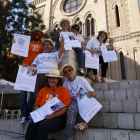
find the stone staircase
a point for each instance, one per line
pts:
(119, 119)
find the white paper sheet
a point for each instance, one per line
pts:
(26, 79)
(67, 47)
(70, 42)
(21, 47)
(109, 56)
(87, 107)
(91, 60)
(50, 107)
(103, 48)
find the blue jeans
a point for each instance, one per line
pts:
(80, 57)
(25, 107)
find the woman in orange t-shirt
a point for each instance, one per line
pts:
(55, 121)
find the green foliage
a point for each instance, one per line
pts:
(15, 18)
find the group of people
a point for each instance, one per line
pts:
(49, 83)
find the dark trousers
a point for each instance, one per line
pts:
(80, 57)
(26, 107)
(40, 83)
(104, 67)
(42, 129)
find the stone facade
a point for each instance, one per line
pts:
(125, 37)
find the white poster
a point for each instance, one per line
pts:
(26, 79)
(50, 107)
(21, 47)
(87, 107)
(109, 56)
(91, 60)
(71, 41)
(104, 48)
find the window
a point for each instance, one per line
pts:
(80, 23)
(88, 28)
(71, 6)
(117, 16)
(122, 66)
(92, 27)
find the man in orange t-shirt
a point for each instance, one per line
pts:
(35, 48)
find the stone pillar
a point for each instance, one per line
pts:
(90, 28)
(51, 22)
(83, 29)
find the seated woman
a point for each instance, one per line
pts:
(72, 84)
(46, 61)
(55, 121)
(75, 28)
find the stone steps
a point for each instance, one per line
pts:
(10, 136)
(116, 85)
(88, 134)
(121, 94)
(100, 134)
(121, 110)
(120, 106)
(116, 120)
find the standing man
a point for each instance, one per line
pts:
(35, 48)
(72, 84)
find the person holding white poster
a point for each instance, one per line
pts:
(75, 28)
(46, 61)
(55, 121)
(65, 24)
(96, 45)
(72, 84)
(35, 48)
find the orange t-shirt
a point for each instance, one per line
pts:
(46, 94)
(35, 48)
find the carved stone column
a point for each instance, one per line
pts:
(83, 29)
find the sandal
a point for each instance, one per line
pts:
(80, 72)
(103, 81)
(89, 76)
(81, 126)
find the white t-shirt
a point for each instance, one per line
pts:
(79, 37)
(72, 86)
(47, 61)
(94, 44)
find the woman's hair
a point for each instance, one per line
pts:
(60, 82)
(49, 43)
(75, 27)
(105, 37)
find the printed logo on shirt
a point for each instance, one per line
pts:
(49, 97)
(73, 91)
(35, 48)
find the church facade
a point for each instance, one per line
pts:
(121, 19)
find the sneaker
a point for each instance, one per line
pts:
(29, 118)
(81, 72)
(23, 120)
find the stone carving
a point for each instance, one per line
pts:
(35, 2)
(126, 37)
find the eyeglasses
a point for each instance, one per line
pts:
(66, 71)
(53, 93)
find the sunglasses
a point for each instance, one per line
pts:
(66, 71)
(53, 93)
